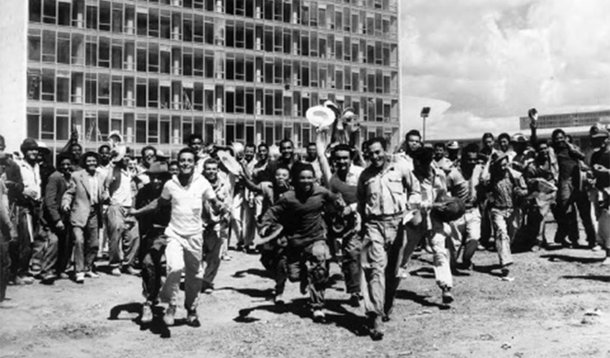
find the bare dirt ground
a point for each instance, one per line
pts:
(543, 313)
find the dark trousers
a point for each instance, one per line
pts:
(21, 248)
(48, 251)
(64, 248)
(5, 263)
(152, 270)
(584, 209)
(86, 244)
(568, 200)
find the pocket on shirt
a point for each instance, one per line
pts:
(395, 185)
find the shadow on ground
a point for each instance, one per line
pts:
(157, 326)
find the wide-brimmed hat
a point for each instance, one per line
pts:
(601, 134)
(453, 145)
(29, 144)
(158, 169)
(320, 116)
(43, 148)
(497, 157)
(161, 156)
(229, 161)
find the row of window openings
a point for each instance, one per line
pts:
(166, 24)
(129, 92)
(95, 126)
(75, 49)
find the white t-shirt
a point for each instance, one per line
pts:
(187, 204)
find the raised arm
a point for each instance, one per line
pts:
(321, 144)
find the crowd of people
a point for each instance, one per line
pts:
(339, 200)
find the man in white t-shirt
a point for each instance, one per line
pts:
(186, 193)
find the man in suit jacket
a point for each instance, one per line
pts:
(57, 248)
(83, 200)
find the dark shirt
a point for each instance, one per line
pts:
(601, 157)
(53, 193)
(160, 217)
(301, 217)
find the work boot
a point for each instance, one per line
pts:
(80, 277)
(147, 314)
(192, 319)
(279, 299)
(168, 317)
(447, 296)
(375, 327)
(318, 316)
(354, 300)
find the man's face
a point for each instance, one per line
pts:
(439, 153)
(376, 154)
(91, 164)
(413, 142)
(186, 163)
(472, 158)
(149, 157)
(342, 160)
(305, 180)
(488, 143)
(543, 150)
(559, 139)
(132, 164)
(249, 153)
(263, 153)
(77, 151)
(156, 182)
(210, 171)
(452, 153)
(65, 166)
(174, 169)
(312, 153)
(196, 144)
(31, 155)
(282, 175)
(503, 143)
(104, 155)
(286, 150)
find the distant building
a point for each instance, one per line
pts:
(567, 120)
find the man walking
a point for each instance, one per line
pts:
(384, 189)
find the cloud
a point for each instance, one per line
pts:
(497, 58)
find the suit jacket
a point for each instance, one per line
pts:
(79, 198)
(53, 194)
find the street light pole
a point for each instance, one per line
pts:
(425, 112)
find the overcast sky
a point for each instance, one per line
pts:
(494, 59)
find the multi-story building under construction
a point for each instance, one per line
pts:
(232, 70)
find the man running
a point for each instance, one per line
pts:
(186, 194)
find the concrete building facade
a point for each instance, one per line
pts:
(231, 70)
